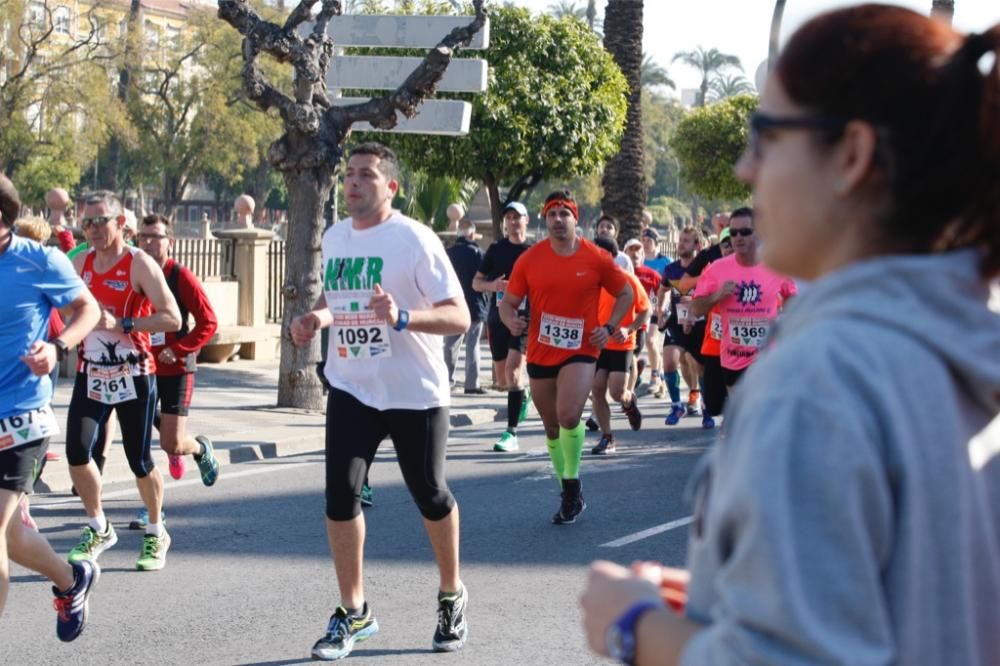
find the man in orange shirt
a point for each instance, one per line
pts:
(615, 361)
(562, 278)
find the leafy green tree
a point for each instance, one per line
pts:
(554, 109)
(56, 107)
(189, 121)
(709, 141)
(660, 116)
(708, 62)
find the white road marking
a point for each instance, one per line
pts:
(131, 492)
(645, 534)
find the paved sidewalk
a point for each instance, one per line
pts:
(234, 405)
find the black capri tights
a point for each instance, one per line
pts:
(353, 434)
(87, 418)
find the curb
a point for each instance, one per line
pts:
(56, 478)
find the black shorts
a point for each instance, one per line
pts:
(20, 467)
(640, 341)
(536, 371)
(614, 360)
(87, 417)
(175, 393)
(353, 433)
(692, 342)
(501, 340)
(732, 376)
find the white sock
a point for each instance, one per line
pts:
(99, 523)
(156, 529)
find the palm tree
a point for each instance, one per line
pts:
(653, 75)
(722, 86)
(563, 8)
(624, 178)
(943, 10)
(708, 62)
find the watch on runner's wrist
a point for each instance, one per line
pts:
(402, 320)
(610, 329)
(62, 349)
(620, 639)
(128, 324)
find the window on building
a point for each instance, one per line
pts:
(173, 35)
(36, 15)
(61, 20)
(152, 33)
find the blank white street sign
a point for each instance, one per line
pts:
(401, 32)
(387, 72)
(444, 117)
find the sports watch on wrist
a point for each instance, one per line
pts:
(402, 321)
(610, 329)
(128, 324)
(620, 637)
(61, 349)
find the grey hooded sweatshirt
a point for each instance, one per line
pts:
(850, 513)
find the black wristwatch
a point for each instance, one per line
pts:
(128, 324)
(402, 321)
(610, 329)
(620, 637)
(62, 349)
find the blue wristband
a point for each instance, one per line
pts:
(402, 321)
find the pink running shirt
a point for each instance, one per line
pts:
(748, 312)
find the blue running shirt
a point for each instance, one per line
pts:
(35, 279)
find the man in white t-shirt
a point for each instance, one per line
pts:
(389, 294)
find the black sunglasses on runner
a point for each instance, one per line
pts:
(99, 220)
(762, 122)
(745, 231)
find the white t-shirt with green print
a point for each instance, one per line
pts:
(383, 368)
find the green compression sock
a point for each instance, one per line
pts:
(572, 449)
(556, 454)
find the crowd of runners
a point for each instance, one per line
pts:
(826, 478)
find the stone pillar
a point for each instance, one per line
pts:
(250, 267)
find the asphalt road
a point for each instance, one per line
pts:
(249, 578)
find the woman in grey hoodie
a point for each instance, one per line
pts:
(850, 514)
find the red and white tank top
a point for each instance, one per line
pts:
(115, 294)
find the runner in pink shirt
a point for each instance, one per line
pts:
(749, 295)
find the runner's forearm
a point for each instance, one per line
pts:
(84, 313)
(443, 319)
(701, 305)
(205, 322)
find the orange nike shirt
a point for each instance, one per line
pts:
(564, 293)
(640, 301)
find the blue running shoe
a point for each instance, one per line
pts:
(707, 422)
(71, 605)
(675, 415)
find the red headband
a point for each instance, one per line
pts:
(563, 203)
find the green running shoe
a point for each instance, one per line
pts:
(524, 406)
(93, 544)
(367, 495)
(208, 465)
(153, 556)
(507, 442)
